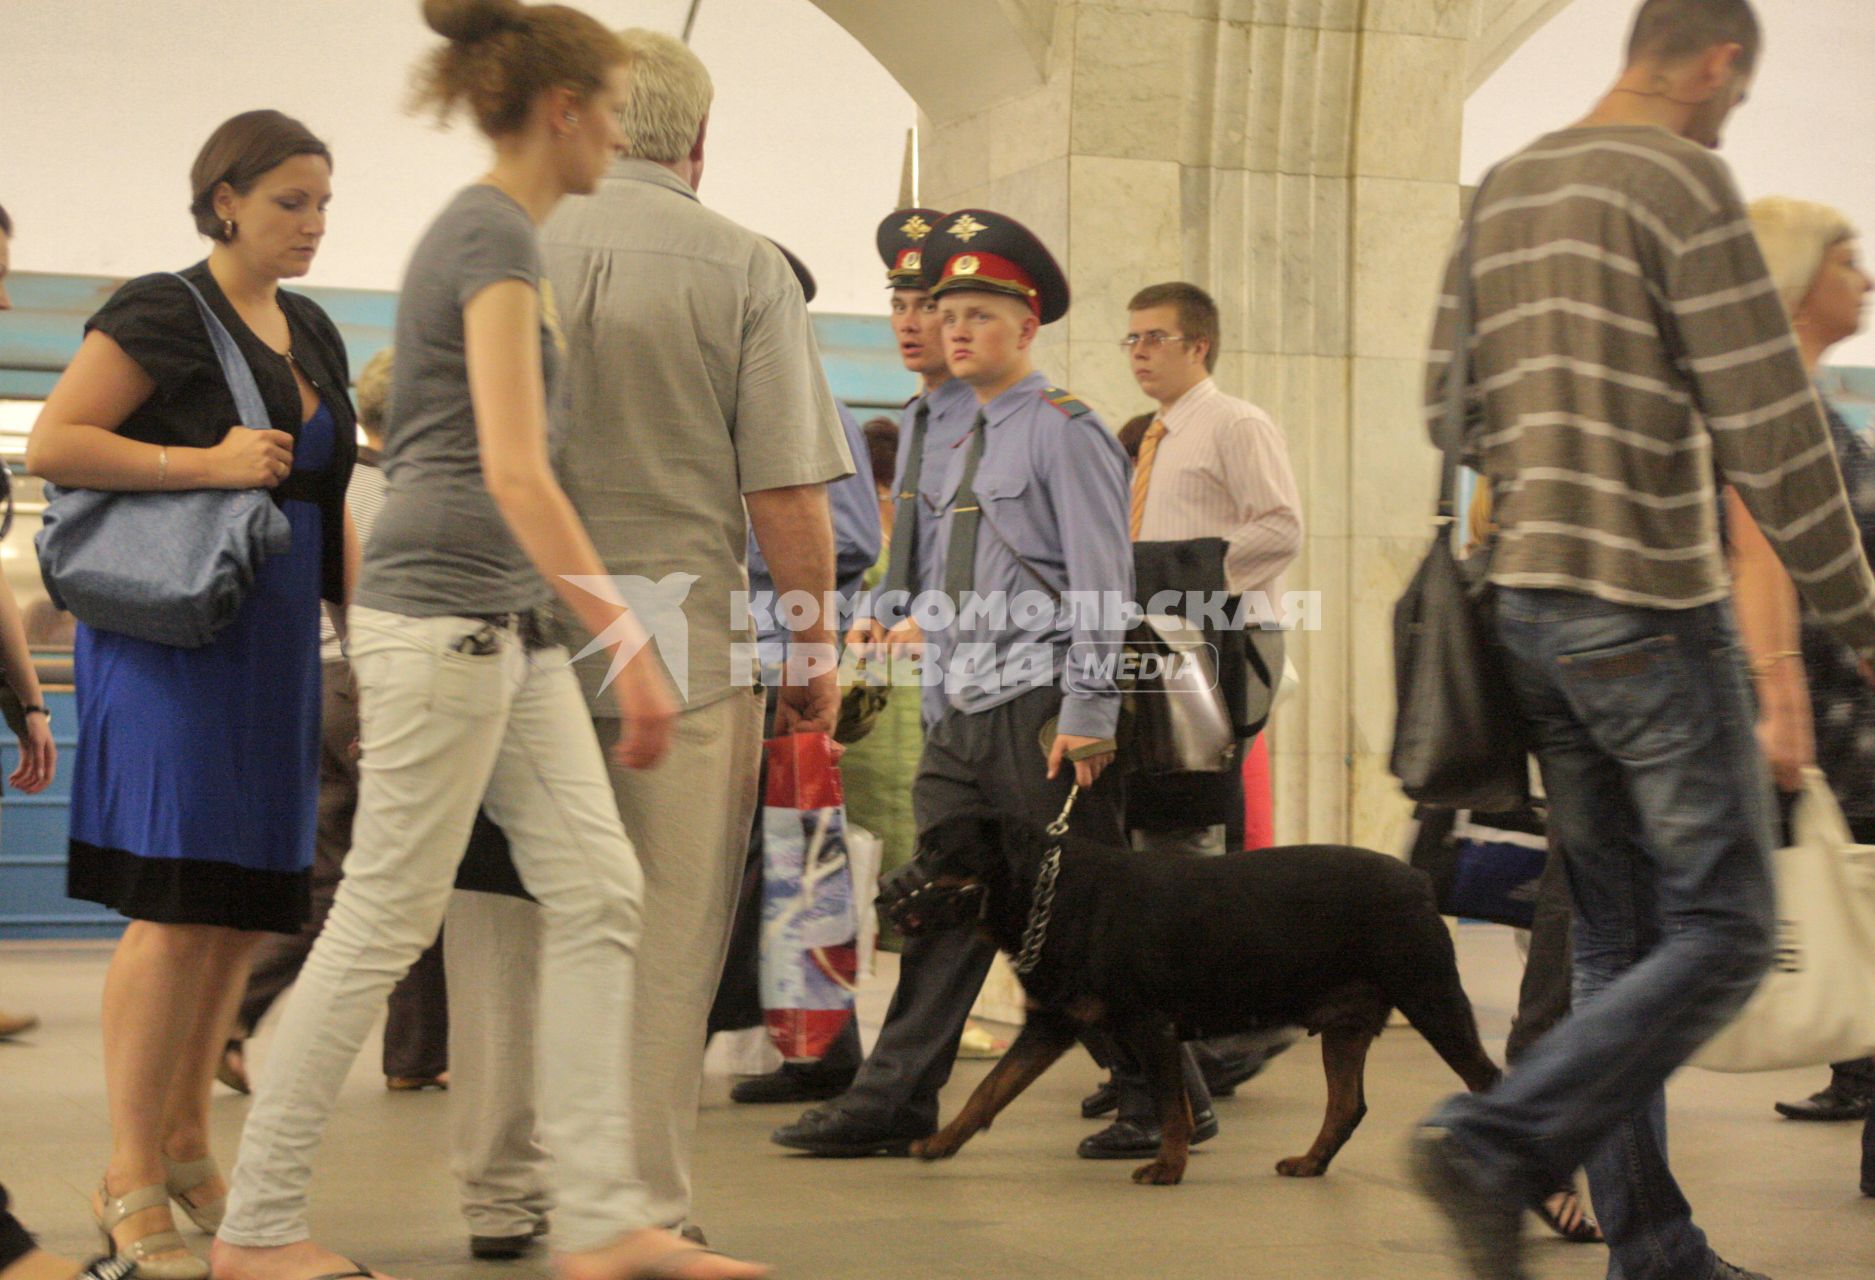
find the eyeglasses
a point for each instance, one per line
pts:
(1150, 340)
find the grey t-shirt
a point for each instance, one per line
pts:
(441, 546)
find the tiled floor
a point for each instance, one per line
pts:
(1778, 1196)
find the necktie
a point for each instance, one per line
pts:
(899, 571)
(960, 555)
(1142, 473)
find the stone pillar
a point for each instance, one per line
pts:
(1298, 159)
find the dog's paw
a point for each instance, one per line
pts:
(1301, 1167)
(1160, 1173)
(935, 1147)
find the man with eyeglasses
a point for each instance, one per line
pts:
(1209, 466)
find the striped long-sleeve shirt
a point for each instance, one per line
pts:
(1630, 354)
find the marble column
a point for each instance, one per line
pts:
(1299, 159)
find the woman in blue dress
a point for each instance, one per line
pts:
(193, 796)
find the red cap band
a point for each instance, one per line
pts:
(993, 272)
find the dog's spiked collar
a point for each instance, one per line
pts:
(1042, 900)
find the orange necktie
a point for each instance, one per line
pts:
(1142, 473)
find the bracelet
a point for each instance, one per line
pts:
(162, 466)
(1762, 666)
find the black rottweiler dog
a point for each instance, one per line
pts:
(1156, 950)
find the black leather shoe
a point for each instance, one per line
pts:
(791, 1083)
(829, 1131)
(1102, 1101)
(1131, 1140)
(505, 1247)
(1833, 1103)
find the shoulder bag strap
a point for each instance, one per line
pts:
(1458, 372)
(234, 367)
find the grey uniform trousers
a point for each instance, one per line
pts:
(988, 762)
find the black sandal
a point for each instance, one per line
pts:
(1568, 1220)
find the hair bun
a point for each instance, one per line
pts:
(467, 21)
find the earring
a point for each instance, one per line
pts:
(569, 117)
(227, 230)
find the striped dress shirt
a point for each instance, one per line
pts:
(1222, 471)
(1630, 353)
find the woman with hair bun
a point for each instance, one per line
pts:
(462, 698)
(193, 799)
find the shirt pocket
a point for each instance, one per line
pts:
(1001, 489)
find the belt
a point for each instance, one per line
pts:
(529, 624)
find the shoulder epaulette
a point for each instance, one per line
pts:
(1065, 401)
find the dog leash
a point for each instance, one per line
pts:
(1042, 901)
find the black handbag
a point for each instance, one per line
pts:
(1459, 740)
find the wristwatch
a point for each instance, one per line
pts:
(38, 709)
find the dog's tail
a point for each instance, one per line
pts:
(1426, 988)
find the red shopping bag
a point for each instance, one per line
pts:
(810, 929)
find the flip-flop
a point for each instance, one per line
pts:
(1571, 1223)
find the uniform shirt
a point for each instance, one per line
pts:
(1222, 471)
(1054, 483)
(854, 504)
(1629, 345)
(953, 408)
(694, 378)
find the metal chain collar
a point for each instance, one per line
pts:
(1042, 900)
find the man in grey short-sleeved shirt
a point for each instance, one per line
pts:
(696, 409)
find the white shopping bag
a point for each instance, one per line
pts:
(1817, 1004)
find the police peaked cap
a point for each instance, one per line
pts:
(901, 245)
(988, 251)
(801, 273)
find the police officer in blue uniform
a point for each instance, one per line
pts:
(1032, 503)
(933, 422)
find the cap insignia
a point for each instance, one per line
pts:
(966, 228)
(915, 228)
(913, 260)
(966, 265)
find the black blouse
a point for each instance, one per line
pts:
(156, 322)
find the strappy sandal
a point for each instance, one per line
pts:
(111, 1213)
(1568, 1220)
(189, 1176)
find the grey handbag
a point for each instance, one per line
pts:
(1180, 722)
(173, 567)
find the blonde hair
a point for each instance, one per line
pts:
(502, 54)
(1796, 235)
(668, 98)
(372, 390)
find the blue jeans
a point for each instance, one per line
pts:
(1641, 720)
